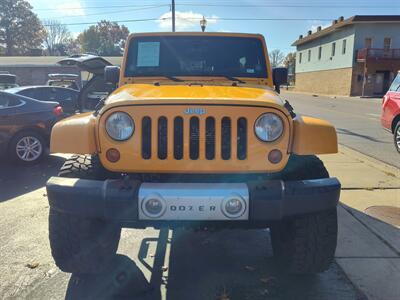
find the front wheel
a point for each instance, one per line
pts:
(80, 245)
(27, 147)
(396, 137)
(306, 244)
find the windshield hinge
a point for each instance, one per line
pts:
(289, 109)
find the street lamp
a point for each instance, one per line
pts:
(203, 23)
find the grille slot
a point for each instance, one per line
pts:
(210, 138)
(178, 138)
(146, 138)
(194, 132)
(242, 138)
(226, 138)
(162, 138)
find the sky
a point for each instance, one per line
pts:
(281, 22)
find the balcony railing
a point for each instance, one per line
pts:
(377, 54)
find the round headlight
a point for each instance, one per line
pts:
(268, 127)
(120, 126)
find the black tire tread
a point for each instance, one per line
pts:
(305, 244)
(394, 136)
(80, 245)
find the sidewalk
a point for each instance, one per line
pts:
(342, 97)
(368, 248)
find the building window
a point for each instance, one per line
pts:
(333, 49)
(300, 57)
(344, 47)
(309, 55)
(319, 53)
(387, 42)
(368, 43)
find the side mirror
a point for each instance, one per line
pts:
(111, 74)
(279, 76)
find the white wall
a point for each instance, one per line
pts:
(327, 62)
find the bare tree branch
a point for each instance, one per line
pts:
(57, 35)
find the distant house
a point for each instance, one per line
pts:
(358, 56)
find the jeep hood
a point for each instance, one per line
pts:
(142, 94)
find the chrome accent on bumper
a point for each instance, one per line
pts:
(194, 201)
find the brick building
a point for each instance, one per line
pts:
(358, 56)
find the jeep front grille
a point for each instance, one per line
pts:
(195, 138)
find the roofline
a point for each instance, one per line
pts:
(356, 19)
(195, 33)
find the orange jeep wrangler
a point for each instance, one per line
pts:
(195, 135)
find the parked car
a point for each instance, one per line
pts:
(95, 88)
(68, 98)
(390, 118)
(71, 81)
(25, 126)
(7, 81)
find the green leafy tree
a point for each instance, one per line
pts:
(20, 28)
(104, 38)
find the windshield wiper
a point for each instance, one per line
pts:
(173, 78)
(231, 78)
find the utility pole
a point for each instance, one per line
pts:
(173, 15)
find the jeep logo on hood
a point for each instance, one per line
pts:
(195, 111)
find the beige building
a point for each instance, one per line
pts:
(358, 56)
(34, 70)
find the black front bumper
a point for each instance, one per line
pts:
(117, 200)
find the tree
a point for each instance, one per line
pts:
(290, 64)
(290, 59)
(20, 29)
(276, 58)
(57, 37)
(104, 38)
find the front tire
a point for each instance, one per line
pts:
(305, 244)
(82, 245)
(396, 137)
(27, 147)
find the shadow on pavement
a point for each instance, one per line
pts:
(16, 180)
(122, 280)
(352, 133)
(228, 264)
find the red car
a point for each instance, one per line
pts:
(390, 117)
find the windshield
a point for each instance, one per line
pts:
(196, 56)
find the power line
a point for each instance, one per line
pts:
(281, 5)
(194, 19)
(224, 5)
(113, 12)
(105, 6)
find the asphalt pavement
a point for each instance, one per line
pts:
(151, 264)
(357, 122)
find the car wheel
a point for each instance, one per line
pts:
(396, 137)
(82, 245)
(27, 147)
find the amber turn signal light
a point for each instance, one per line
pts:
(113, 155)
(275, 156)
